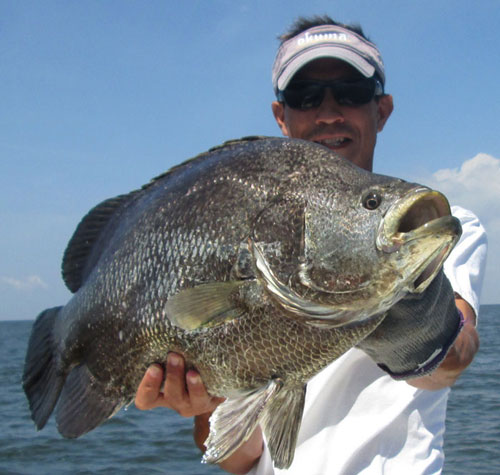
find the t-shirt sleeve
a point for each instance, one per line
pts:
(466, 264)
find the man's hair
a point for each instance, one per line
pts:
(304, 23)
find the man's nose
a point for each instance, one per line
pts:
(329, 110)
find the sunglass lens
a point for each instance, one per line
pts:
(304, 96)
(354, 93)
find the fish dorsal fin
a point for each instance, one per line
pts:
(226, 146)
(234, 421)
(76, 263)
(205, 305)
(281, 424)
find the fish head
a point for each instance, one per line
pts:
(369, 242)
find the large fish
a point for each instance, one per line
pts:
(260, 261)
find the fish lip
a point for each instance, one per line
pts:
(420, 215)
(425, 273)
(392, 231)
(450, 223)
(450, 227)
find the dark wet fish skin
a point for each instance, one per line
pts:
(193, 226)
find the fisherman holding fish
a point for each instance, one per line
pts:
(329, 82)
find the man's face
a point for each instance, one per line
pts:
(351, 131)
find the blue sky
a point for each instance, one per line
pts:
(97, 97)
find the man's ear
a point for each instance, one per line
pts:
(385, 108)
(279, 114)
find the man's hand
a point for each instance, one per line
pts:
(417, 332)
(183, 392)
(458, 358)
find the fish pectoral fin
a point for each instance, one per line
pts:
(234, 421)
(204, 305)
(82, 406)
(281, 424)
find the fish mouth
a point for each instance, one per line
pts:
(420, 229)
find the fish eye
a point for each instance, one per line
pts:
(372, 200)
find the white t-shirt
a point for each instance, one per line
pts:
(357, 419)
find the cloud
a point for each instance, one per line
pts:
(30, 282)
(476, 186)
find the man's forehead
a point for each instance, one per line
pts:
(324, 68)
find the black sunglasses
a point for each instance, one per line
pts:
(308, 94)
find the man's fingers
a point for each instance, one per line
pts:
(182, 392)
(201, 401)
(197, 392)
(149, 390)
(175, 381)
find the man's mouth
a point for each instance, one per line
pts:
(334, 143)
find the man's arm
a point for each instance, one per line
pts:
(459, 356)
(186, 394)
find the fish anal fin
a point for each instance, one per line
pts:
(281, 424)
(234, 421)
(83, 404)
(204, 305)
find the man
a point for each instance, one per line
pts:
(329, 82)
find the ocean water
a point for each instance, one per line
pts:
(159, 441)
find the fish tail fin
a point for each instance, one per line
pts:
(79, 396)
(42, 378)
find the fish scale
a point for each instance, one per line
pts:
(304, 354)
(257, 261)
